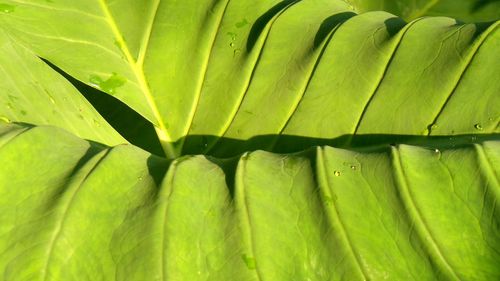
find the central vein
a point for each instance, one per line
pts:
(137, 68)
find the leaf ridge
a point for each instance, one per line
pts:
(169, 179)
(196, 101)
(470, 59)
(306, 84)
(483, 159)
(384, 73)
(249, 81)
(161, 130)
(60, 225)
(417, 220)
(147, 35)
(333, 213)
(243, 211)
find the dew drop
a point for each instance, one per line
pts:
(249, 261)
(437, 152)
(353, 167)
(231, 44)
(236, 52)
(336, 173)
(4, 119)
(6, 8)
(478, 127)
(96, 123)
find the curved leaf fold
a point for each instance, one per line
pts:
(89, 212)
(239, 69)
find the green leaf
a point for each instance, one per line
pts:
(88, 212)
(31, 92)
(206, 71)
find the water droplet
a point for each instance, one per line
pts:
(9, 105)
(236, 52)
(249, 261)
(491, 118)
(231, 44)
(6, 8)
(96, 123)
(242, 23)
(353, 167)
(336, 173)
(139, 178)
(478, 127)
(437, 152)
(4, 119)
(23, 112)
(109, 85)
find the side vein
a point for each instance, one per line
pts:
(203, 75)
(333, 213)
(306, 84)
(234, 113)
(381, 79)
(419, 223)
(470, 59)
(243, 212)
(66, 208)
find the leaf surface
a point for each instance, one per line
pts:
(89, 212)
(31, 92)
(239, 69)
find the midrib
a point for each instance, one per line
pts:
(138, 70)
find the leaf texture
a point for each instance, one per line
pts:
(31, 92)
(89, 212)
(242, 69)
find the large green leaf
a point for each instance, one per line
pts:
(227, 78)
(202, 70)
(88, 212)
